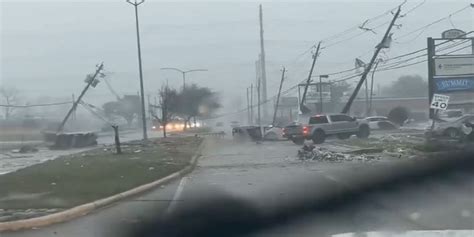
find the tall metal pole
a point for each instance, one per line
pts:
(315, 56)
(369, 66)
(248, 106)
(142, 93)
(278, 95)
(184, 80)
(258, 86)
(262, 62)
(259, 119)
(74, 106)
(251, 104)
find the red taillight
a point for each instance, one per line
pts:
(305, 130)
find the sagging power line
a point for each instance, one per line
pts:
(36, 105)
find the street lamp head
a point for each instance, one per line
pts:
(324, 76)
(197, 70)
(172, 68)
(135, 3)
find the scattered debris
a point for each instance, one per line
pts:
(27, 149)
(310, 152)
(71, 140)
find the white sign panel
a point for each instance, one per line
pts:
(439, 102)
(454, 66)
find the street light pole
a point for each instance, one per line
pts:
(142, 93)
(184, 72)
(184, 80)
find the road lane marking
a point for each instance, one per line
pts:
(177, 195)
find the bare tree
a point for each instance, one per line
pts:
(168, 102)
(9, 96)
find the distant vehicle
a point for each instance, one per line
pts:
(174, 125)
(246, 132)
(452, 128)
(453, 113)
(234, 124)
(321, 126)
(380, 122)
(274, 134)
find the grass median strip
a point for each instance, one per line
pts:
(85, 177)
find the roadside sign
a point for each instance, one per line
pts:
(439, 102)
(454, 84)
(453, 34)
(454, 66)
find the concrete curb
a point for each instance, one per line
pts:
(84, 209)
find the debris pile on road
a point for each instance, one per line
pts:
(311, 152)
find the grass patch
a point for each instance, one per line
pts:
(81, 178)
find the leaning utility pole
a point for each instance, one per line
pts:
(278, 95)
(142, 93)
(90, 81)
(372, 61)
(262, 62)
(304, 109)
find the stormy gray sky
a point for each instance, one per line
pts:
(47, 47)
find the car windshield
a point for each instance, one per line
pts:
(304, 115)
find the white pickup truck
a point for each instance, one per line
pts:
(321, 126)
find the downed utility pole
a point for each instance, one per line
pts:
(283, 70)
(303, 108)
(90, 81)
(367, 69)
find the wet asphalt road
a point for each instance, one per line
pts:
(268, 175)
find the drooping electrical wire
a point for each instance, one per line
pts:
(333, 37)
(35, 105)
(423, 28)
